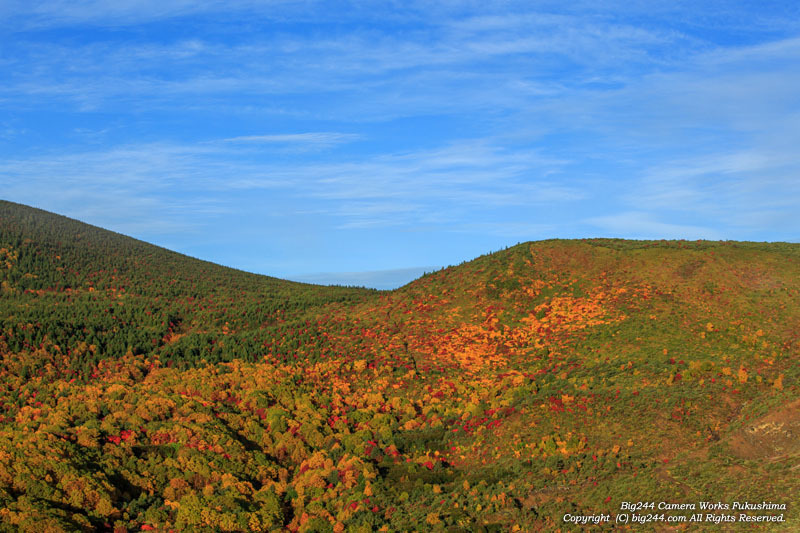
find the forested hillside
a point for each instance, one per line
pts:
(145, 390)
(88, 294)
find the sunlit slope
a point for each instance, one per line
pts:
(549, 378)
(569, 376)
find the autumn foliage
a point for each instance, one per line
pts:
(143, 390)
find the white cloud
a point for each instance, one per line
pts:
(377, 279)
(743, 192)
(510, 230)
(450, 64)
(318, 139)
(695, 135)
(642, 225)
(437, 187)
(47, 13)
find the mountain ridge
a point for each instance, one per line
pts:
(40, 221)
(553, 378)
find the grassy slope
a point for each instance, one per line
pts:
(553, 377)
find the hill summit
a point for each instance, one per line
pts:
(542, 387)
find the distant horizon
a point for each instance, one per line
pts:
(386, 279)
(304, 138)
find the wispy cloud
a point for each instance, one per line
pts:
(376, 279)
(473, 122)
(643, 225)
(128, 188)
(48, 13)
(311, 139)
(451, 64)
(429, 186)
(729, 190)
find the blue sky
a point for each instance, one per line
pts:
(366, 142)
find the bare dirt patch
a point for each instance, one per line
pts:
(773, 437)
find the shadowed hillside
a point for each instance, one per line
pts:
(146, 390)
(96, 294)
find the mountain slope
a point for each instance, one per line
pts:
(65, 283)
(552, 378)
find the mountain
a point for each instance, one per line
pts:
(66, 282)
(523, 390)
